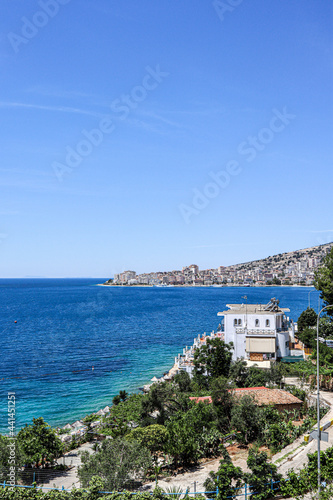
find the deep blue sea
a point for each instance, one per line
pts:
(64, 327)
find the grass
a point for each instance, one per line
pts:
(288, 454)
(284, 456)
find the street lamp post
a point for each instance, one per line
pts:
(309, 297)
(318, 399)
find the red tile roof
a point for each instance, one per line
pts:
(265, 396)
(262, 396)
(202, 399)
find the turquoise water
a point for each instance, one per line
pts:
(65, 327)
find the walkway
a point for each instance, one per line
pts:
(69, 478)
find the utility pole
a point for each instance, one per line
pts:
(318, 400)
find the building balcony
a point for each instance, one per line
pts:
(256, 331)
(283, 329)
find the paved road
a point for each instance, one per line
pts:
(300, 458)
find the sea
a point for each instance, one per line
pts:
(67, 346)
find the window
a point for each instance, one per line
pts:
(257, 323)
(239, 322)
(235, 322)
(267, 322)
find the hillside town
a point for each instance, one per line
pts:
(290, 268)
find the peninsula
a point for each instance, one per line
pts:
(290, 268)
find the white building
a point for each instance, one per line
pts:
(260, 333)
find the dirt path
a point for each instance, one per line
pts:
(69, 478)
(197, 474)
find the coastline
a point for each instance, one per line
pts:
(205, 286)
(91, 400)
(78, 428)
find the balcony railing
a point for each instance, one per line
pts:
(284, 328)
(256, 331)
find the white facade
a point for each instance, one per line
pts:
(259, 333)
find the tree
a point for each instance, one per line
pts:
(246, 419)
(118, 463)
(183, 381)
(306, 319)
(227, 478)
(182, 444)
(154, 437)
(11, 458)
(123, 395)
(116, 400)
(326, 328)
(324, 281)
(39, 442)
(239, 372)
(308, 336)
(222, 403)
(263, 475)
(212, 360)
(325, 354)
(125, 412)
(186, 429)
(275, 374)
(163, 400)
(257, 377)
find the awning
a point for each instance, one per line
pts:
(292, 359)
(260, 345)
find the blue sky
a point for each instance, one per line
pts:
(149, 135)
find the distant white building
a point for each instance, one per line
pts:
(260, 333)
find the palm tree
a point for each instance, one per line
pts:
(123, 395)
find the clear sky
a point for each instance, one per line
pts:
(153, 134)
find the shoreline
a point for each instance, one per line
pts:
(205, 286)
(167, 377)
(78, 431)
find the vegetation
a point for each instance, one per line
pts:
(225, 479)
(262, 479)
(307, 329)
(211, 361)
(165, 422)
(39, 443)
(307, 318)
(228, 477)
(117, 463)
(154, 437)
(246, 419)
(87, 420)
(147, 432)
(324, 281)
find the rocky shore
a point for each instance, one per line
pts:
(69, 432)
